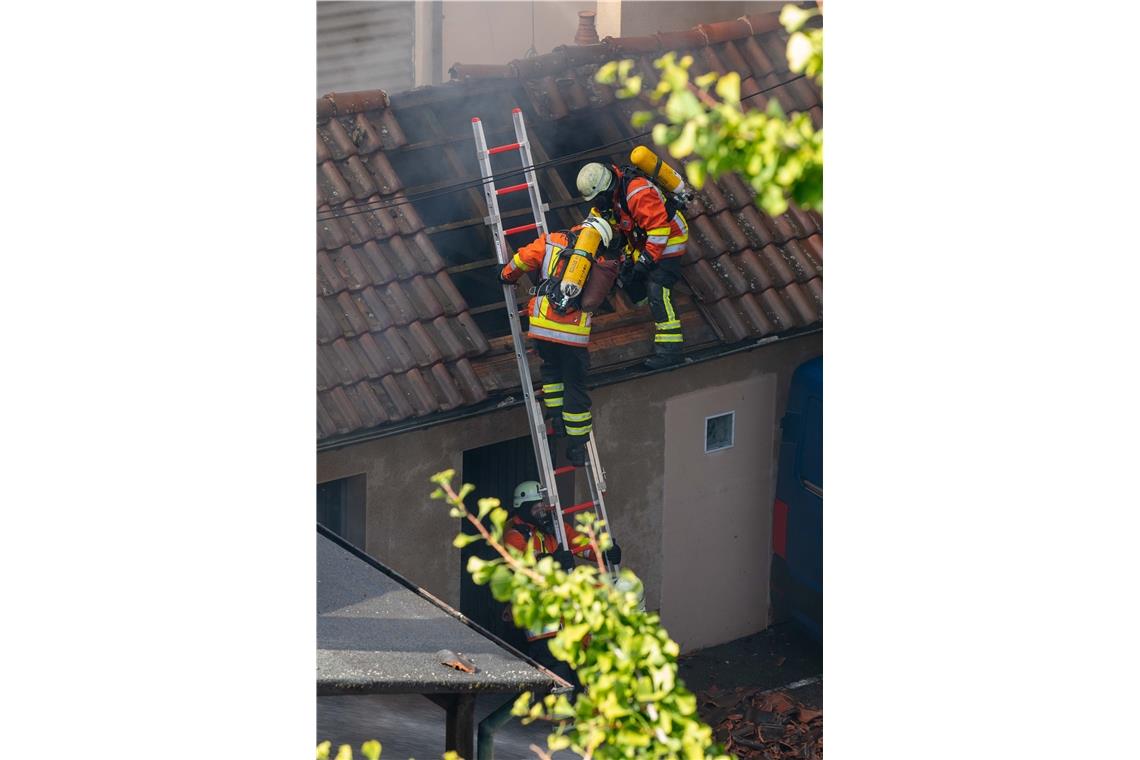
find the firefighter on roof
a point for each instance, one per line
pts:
(657, 235)
(561, 330)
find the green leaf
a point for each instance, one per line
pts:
(683, 145)
(486, 505)
(443, 478)
(704, 80)
(323, 750)
(371, 749)
(463, 539)
(695, 173)
(793, 17)
(799, 51)
(498, 517)
(501, 583)
(728, 87)
(557, 741)
(344, 752)
(641, 118)
(607, 72)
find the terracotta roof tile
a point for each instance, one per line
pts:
(376, 262)
(754, 314)
(444, 387)
(401, 407)
(365, 136)
(778, 268)
(328, 328)
(335, 139)
(373, 309)
(329, 281)
(348, 316)
(395, 349)
(776, 310)
(334, 189)
(468, 381)
(423, 349)
(375, 355)
(396, 340)
(399, 305)
(754, 271)
(359, 180)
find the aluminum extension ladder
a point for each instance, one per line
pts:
(595, 475)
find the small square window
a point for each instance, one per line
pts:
(720, 431)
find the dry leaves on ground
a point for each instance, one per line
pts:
(763, 725)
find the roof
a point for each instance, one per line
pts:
(377, 634)
(410, 316)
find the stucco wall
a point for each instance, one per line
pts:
(413, 535)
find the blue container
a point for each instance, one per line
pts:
(797, 516)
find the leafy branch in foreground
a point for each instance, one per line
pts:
(704, 121)
(631, 702)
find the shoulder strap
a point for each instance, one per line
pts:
(629, 172)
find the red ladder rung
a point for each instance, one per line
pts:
(522, 228)
(564, 470)
(502, 148)
(577, 507)
(512, 189)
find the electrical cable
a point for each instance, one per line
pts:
(374, 206)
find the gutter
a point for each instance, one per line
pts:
(509, 401)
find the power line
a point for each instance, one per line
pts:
(373, 206)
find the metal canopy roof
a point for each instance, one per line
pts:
(379, 634)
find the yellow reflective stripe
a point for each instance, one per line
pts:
(552, 387)
(669, 338)
(680, 220)
(519, 263)
(558, 335)
(552, 402)
(673, 324)
(674, 248)
(668, 304)
(658, 231)
(682, 238)
(573, 329)
(578, 430)
(576, 416)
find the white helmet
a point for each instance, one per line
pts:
(602, 226)
(527, 491)
(593, 178)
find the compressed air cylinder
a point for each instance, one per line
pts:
(646, 160)
(582, 258)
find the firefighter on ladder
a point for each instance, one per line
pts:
(561, 338)
(532, 521)
(657, 234)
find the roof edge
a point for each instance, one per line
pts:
(341, 103)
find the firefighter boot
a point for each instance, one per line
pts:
(664, 357)
(576, 453)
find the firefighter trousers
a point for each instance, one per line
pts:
(564, 386)
(658, 288)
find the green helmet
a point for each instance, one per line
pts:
(526, 492)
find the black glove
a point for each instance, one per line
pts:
(613, 554)
(564, 558)
(644, 264)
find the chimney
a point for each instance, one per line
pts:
(587, 33)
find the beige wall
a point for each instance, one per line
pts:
(498, 32)
(639, 18)
(638, 445)
(718, 514)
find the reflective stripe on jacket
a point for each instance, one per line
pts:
(541, 256)
(665, 237)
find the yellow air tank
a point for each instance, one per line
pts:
(578, 267)
(646, 160)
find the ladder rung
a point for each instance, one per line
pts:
(502, 148)
(566, 469)
(512, 189)
(521, 228)
(577, 507)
